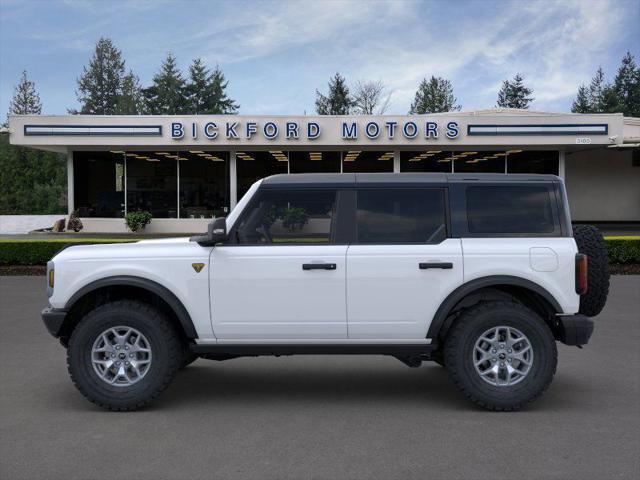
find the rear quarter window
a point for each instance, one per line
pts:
(510, 209)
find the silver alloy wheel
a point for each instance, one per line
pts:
(121, 356)
(503, 356)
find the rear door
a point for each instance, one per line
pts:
(402, 263)
(284, 275)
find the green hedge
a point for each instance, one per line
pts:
(39, 252)
(623, 249)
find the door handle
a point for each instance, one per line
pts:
(442, 265)
(318, 266)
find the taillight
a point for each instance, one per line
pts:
(582, 282)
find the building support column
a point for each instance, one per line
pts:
(561, 163)
(70, 190)
(177, 188)
(233, 180)
(125, 186)
(396, 161)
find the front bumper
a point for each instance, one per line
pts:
(575, 329)
(53, 319)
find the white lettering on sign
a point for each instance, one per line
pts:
(583, 141)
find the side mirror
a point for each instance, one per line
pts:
(216, 233)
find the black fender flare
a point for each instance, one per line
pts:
(131, 281)
(492, 281)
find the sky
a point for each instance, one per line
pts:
(275, 54)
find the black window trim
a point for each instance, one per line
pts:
(232, 235)
(462, 223)
(443, 189)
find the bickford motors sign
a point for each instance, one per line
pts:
(295, 130)
(233, 131)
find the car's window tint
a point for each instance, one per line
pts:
(509, 209)
(401, 216)
(289, 217)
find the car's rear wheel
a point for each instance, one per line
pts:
(123, 354)
(501, 355)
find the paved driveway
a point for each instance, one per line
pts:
(319, 417)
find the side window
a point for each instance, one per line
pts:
(289, 217)
(504, 209)
(401, 216)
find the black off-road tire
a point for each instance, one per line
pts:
(166, 348)
(591, 243)
(460, 344)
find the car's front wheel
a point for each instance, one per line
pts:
(123, 354)
(501, 355)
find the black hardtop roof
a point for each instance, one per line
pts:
(397, 179)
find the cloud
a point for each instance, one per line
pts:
(277, 53)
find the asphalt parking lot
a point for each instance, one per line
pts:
(319, 417)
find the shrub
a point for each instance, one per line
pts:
(74, 222)
(623, 249)
(294, 217)
(137, 220)
(39, 252)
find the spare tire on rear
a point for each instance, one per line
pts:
(591, 243)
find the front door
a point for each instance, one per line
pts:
(282, 277)
(402, 265)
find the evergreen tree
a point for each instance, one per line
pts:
(25, 99)
(433, 96)
(219, 102)
(581, 104)
(130, 101)
(338, 101)
(206, 91)
(167, 95)
(596, 91)
(602, 97)
(100, 85)
(196, 89)
(31, 181)
(514, 94)
(627, 86)
(610, 102)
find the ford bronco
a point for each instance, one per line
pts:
(482, 274)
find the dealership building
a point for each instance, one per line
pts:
(186, 170)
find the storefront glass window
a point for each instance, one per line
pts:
(361, 161)
(432, 160)
(152, 183)
(314, 162)
(99, 184)
(533, 161)
(252, 166)
(471, 161)
(204, 184)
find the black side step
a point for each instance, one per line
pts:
(404, 350)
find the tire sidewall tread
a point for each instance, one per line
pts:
(461, 340)
(591, 243)
(166, 347)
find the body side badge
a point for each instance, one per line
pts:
(197, 267)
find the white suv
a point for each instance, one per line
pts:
(480, 273)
